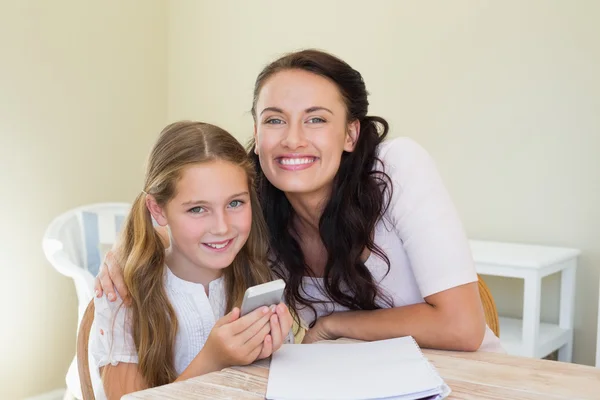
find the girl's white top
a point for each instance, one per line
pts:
(111, 340)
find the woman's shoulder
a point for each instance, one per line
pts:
(401, 150)
(405, 161)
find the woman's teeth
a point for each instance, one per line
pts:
(297, 161)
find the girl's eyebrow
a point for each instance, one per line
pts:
(197, 202)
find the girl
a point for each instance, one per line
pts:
(362, 229)
(199, 184)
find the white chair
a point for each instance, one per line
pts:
(75, 243)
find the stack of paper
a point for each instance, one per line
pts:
(386, 369)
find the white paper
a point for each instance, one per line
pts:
(386, 369)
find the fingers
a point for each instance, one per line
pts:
(265, 349)
(229, 318)
(276, 333)
(248, 320)
(259, 337)
(116, 275)
(105, 283)
(97, 286)
(285, 319)
(260, 325)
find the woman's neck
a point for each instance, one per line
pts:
(308, 209)
(184, 269)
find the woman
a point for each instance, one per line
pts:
(362, 229)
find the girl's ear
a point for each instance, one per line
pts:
(158, 213)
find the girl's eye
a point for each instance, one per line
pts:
(196, 210)
(236, 203)
(274, 121)
(316, 120)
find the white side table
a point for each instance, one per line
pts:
(529, 337)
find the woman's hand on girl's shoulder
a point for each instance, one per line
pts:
(109, 278)
(110, 273)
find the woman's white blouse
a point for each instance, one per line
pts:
(421, 233)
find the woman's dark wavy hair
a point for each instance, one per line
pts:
(356, 204)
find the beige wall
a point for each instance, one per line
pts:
(504, 94)
(82, 94)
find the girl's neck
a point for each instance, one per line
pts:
(182, 268)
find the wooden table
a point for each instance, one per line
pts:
(471, 376)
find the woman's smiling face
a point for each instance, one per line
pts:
(301, 131)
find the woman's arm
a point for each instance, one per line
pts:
(449, 320)
(425, 220)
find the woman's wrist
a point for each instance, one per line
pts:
(331, 326)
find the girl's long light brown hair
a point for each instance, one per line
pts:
(143, 254)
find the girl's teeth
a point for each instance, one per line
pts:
(217, 246)
(297, 161)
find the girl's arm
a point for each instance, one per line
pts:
(120, 379)
(112, 348)
(232, 341)
(241, 341)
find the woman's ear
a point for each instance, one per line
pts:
(255, 140)
(353, 131)
(158, 213)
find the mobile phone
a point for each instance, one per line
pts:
(266, 294)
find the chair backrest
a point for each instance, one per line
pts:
(83, 367)
(75, 243)
(489, 307)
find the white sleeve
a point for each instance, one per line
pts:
(111, 336)
(425, 219)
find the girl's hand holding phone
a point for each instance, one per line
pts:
(239, 341)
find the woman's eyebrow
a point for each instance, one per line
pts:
(318, 108)
(274, 109)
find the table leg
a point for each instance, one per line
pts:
(567, 309)
(531, 314)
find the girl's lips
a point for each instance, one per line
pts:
(218, 247)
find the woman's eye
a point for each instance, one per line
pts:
(316, 120)
(196, 210)
(236, 203)
(274, 121)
